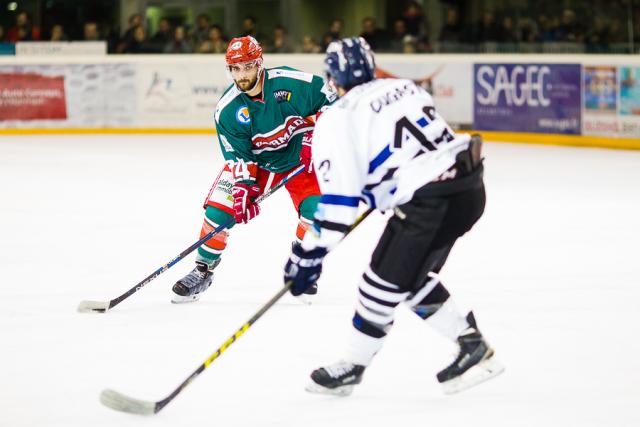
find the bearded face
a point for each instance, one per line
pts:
(245, 74)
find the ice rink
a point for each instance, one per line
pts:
(551, 272)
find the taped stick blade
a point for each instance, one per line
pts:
(93, 306)
(120, 402)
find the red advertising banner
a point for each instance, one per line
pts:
(32, 97)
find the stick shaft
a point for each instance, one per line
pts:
(199, 243)
(161, 404)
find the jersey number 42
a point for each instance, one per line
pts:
(405, 124)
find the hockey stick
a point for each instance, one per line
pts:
(87, 306)
(123, 403)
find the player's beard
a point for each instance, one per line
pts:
(247, 84)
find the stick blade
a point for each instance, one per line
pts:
(120, 402)
(93, 306)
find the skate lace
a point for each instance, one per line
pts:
(194, 278)
(338, 369)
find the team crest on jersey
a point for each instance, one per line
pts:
(282, 95)
(242, 115)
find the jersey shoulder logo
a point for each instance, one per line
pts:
(242, 115)
(282, 95)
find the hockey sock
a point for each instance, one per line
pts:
(303, 226)
(377, 300)
(361, 346)
(212, 249)
(432, 303)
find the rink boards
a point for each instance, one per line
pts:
(544, 99)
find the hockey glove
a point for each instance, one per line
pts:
(305, 152)
(244, 208)
(303, 268)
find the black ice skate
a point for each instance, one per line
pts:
(474, 364)
(191, 286)
(337, 379)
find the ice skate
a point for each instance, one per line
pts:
(190, 287)
(474, 364)
(337, 379)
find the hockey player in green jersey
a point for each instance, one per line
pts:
(264, 122)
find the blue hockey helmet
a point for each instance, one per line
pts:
(350, 62)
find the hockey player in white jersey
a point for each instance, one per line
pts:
(384, 143)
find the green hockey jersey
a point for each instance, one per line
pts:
(268, 130)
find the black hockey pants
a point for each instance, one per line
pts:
(419, 237)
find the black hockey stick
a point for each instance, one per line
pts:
(87, 306)
(123, 403)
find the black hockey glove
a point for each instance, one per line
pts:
(303, 268)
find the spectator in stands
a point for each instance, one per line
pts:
(411, 44)
(127, 40)
(507, 33)
(111, 34)
(416, 22)
(547, 28)
(488, 30)
(280, 42)
(309, 45)
(597, 39)
(138, 43)
(451, 32)
(570, 30)
(179, 44)
(23, 30)
(617, 33)
(201, 32)
(636, 31)
(334, 33)
(398, 35)
(250, 28)
(57, 34)
(216, 43)
(163, 36)
(376, 37)
(90, 31)
(528, 33)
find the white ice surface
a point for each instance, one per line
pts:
(551, 272)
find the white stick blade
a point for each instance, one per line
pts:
(93, 306)
(122, 403)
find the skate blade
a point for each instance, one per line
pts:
(179, 299)
(478, 374)
(338, 391)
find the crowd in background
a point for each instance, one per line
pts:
(410, 32)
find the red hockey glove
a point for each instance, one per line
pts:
(305, 152)
(243, 206)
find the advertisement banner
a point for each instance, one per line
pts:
(32, 96)
(544, 98)
(62, 96)
(600, 113)
(448, 83)
(630, 101)
(178, 96)
(61, 48)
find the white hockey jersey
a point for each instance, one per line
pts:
(379, 143)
